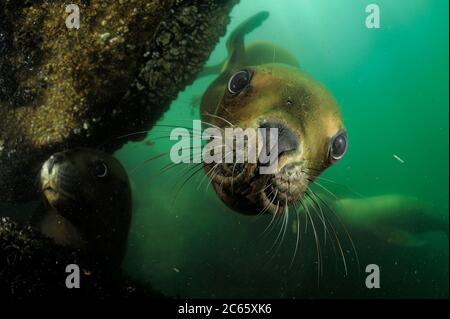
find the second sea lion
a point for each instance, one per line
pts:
(87, 203)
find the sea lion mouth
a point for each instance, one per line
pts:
(49, 190)
(252, 193)
(284, 188)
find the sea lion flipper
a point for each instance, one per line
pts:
(398, 237)
(235, 43)
(246, 27)
(211, 69)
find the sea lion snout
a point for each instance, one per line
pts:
(286, 141)
(58, 180)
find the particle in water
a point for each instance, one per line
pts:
(399, 159)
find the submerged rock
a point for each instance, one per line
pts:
(61, 88)
(32, 266)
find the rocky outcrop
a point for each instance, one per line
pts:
(61, 88)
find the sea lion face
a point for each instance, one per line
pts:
(311, 136)
(81, 176)
(92, 191)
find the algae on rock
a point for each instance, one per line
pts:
(61, 88)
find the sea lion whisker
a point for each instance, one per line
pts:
(149, 131)
(270, 225)
(170, 166)
(319, 170)
(325, 219)
(133, 170)
(336, 237)
(340, 184)
(219, 117)
(186, 181)
(297, 236)
(285, 221)
(326, 189)
(212, 173)
(286, 216)
(232, 177)
(345, 229)
(266, 186)
(319, 213)
(191, 157)
(318, 249)
(273, 217)
(187, 169)
(270, 259)
(338, 241)
(306, 219)
(333, 239)
(201, 121)
(215, 168)
(268, 204)
(286, 213)
(183, 171)
(266, 207)
(268, 251)
(197, 135)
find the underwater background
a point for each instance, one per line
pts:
(392, 86)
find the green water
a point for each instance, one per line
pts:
(392, 86)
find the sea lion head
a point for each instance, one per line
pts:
(311, 135)
(90, 189)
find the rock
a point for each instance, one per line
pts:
(32, 266)
(61, 88)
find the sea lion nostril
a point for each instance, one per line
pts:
(287, 139)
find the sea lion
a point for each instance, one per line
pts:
(252, 92)
(393, 218)
(87, 203)
(311, 138)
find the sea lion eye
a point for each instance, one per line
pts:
(239, 81)
(339, 145)
(100, 169)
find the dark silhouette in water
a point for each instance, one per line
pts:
(84, 220)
